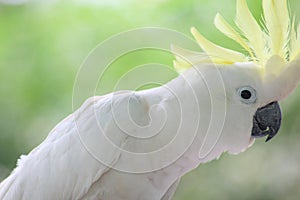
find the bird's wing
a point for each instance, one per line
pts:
(74, 155)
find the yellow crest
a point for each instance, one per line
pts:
(276, 36)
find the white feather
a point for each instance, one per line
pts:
(167, 123)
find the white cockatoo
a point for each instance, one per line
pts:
(135, 145)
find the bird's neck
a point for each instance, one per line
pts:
(187, 101)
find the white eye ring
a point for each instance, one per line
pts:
(247, 94)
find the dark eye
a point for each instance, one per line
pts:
(247, 94)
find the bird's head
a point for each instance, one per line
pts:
(256, 80)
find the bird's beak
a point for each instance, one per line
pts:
(267, 121)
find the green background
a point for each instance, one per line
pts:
(42, 46)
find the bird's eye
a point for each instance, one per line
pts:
(247, 94)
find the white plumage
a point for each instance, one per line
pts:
(136, 145)
(72, 162)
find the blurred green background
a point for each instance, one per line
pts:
(42, 45)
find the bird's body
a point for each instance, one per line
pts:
(66, 168)
(132, 145)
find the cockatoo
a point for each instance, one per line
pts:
(136, 145)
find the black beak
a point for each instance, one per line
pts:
(267, 121)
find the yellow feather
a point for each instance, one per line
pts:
(188, 57)
(295, 42)
(216, 53)
(277, 22)
(230, 32)
(277, 40)
(185, 58)
(180, 66)
(251, 30)
(293, 39)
